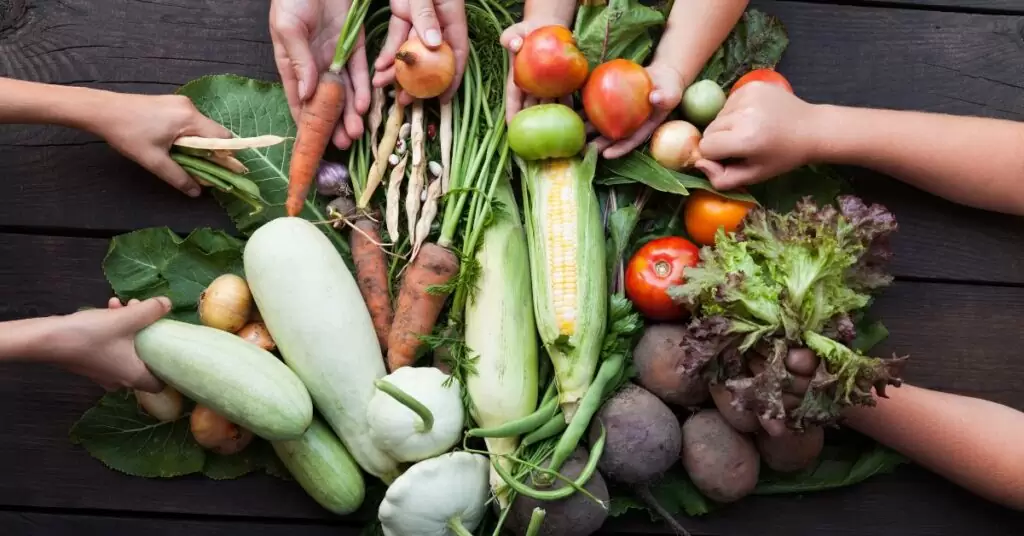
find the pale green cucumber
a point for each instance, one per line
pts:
(322, 466)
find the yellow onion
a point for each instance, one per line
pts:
(258, 334)
(216, 433)
(676, 145)
(226, 304)
(164, 406)
(422, 72)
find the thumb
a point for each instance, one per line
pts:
(139, 315)
(729, 177)
(512, 37)
(298, 55)
(424, 20)
(666, 97)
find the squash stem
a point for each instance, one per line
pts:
(455, 524)
(535, 522)
(403, 398)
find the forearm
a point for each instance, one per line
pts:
(560, 11)
(35, 103)
(974, 443)
(695, 29)
(970, 160)
(29, 339)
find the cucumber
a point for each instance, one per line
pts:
(316, 315)
(244, 383)
(322, 466)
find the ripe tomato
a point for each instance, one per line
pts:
(549, 65)
(705, 212)
(769, 76)
(656, 267)
(617, 98)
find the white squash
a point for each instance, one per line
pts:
(438, 496)
(415, 415)
(316, 315)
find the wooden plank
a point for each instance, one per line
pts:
(973, 6)
(961, 338)
(57, 178)
(61, 524)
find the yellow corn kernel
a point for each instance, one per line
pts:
(561, 241)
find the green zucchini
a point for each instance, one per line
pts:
(322, 466)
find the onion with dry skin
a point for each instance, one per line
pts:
(164, 406)
(675, 145)
(216, 433)
(258, 334)
(422, 72)
(226, 304)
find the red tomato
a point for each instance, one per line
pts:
(549, 65)
(705, 212)
(656, 267)
(616, 98)
(768, 76)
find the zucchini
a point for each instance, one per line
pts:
(322, 466)
(313, 308)
(244, 383)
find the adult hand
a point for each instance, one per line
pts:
(305, 35)
(766, 129)
(100, 344)
(512, 39)
(432, 21)
(144, 127)
(666, 92)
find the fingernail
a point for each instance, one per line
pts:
(433, 38)
(194, 191)
(516, 43)
(656, 98)
(164, 301)
(302, 89)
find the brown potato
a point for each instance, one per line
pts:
(721, 462)
(791, 450)
(742, 420)
(659, 358)
(643, 437)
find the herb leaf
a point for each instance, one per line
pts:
(757, 41)
(638, 167)
(839, 466)
(619, 29)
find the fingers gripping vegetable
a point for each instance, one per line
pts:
(706, 212)
(245, 384)
(226, 304)
(441, 495)
(164, 406)
(322, 328)
(548, 64)
(423, 72)
(616, 98)
(702, 101)
(216, 433)
(676, 145)
(567, 263)
(547, 131)
(324, 469)
(768, 76)
(665, 367)
(721, 462)
(654, 268)
(321, 112)
(416, 413)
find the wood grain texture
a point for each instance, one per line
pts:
(58, 178)
(962, 338)
(974, 6)
(51, 524)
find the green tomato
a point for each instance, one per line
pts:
(702, 102)
(546, 131)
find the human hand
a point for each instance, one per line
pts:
(100, 343)
(144, 127)
(767, 129)
(305, 35)
(666, 92)
(512, 39)
(432, 21)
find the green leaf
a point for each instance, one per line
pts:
(247, 108)
(127, 439)
(621, 224)
(782, 193)
(156, 262)
(838, 467)
(619, 29)
(638, 167)
(869, 335)
(757, 41)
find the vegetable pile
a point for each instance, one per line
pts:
(495, 311)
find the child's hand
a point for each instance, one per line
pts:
(512, 39)
(767, 129)
(143, 128)
(100, 343)
(665, 95)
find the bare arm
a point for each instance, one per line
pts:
(971, 160)
(974, 443)
(551, 11)
(695, 29)
(36, 103)
(27, 339)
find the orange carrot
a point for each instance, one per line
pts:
(372, 276)
(418, 308)
(316, 124)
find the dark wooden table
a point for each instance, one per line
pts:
(958, 306)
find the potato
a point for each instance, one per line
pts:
(791, 450)
(576, 515)
(742, 420)
(643, 436)
(658, 358)
(721, 461)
